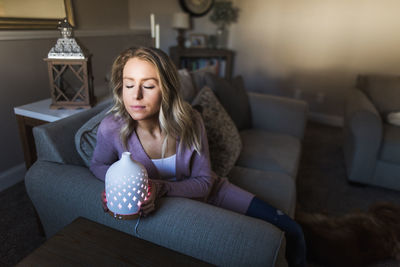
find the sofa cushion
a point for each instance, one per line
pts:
(268, 151)
(233, 97)
(86, 136)
(382, 90)
(276, 188)
(188, 89)
(390, 150)
(223, 137)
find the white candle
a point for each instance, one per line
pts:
(152, 24)
(157, 35)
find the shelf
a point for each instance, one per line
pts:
(196, 58)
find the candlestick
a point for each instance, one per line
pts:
(152, 24)
(157, 35)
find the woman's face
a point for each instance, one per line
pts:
(141, 90)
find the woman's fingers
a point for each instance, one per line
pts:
(149, 204)
(104, 201)
(147, 208)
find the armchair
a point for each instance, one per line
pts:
(372, 144)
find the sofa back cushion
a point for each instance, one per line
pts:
(188, 90)
(382, 90)
(192, 82)
(199, 76)
(390, 149)
(86, 136)
(223, 137)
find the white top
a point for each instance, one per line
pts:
(166, 167)
(41, 110)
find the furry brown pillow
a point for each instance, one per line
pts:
(223, 136)
(354, 239)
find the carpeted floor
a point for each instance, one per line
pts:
(321, 185)
(19, 230)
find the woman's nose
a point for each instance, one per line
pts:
(138, 93)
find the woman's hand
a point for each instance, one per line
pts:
(149, 205)
(104, 201)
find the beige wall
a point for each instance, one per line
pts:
(23, 73)
(163, 10)
(101, 14)
(315, 46)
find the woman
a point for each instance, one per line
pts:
(150, 120)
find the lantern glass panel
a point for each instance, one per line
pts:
(69, 82)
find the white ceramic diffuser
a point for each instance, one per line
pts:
(126, 185)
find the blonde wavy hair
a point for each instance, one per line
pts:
(176, 117)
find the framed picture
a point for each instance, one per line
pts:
(198, 40)
(34, 14)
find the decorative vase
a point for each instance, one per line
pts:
(126, 186)
(222, 36)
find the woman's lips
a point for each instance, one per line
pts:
(137, 107)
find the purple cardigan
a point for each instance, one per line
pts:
(193, 171)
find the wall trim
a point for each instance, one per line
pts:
(32, 35)
(12, 176)
(326, 119)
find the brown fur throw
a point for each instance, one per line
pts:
(355, 239)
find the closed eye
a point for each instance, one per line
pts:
(129, 86)
(148, 87)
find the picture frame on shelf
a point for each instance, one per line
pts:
(198, 40)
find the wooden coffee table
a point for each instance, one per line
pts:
(84, 242)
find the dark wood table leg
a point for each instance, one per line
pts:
(25, 126)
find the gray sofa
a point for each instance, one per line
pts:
(62, 188)
(372, 143)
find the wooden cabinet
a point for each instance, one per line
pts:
(197, 58)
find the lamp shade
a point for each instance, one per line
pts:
(180, 20)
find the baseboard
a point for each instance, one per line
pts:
(326, 119)
(12, 176)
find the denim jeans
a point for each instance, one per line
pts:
(295, 243)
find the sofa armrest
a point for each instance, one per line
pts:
(363, 135)
(61, 193)
(278, 114)
(212, 234)
(55, 141)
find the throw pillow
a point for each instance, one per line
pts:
(187, 88)
(86, 136)
(394, 118)
(382, 90)
(223, 137)
(233, 97)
